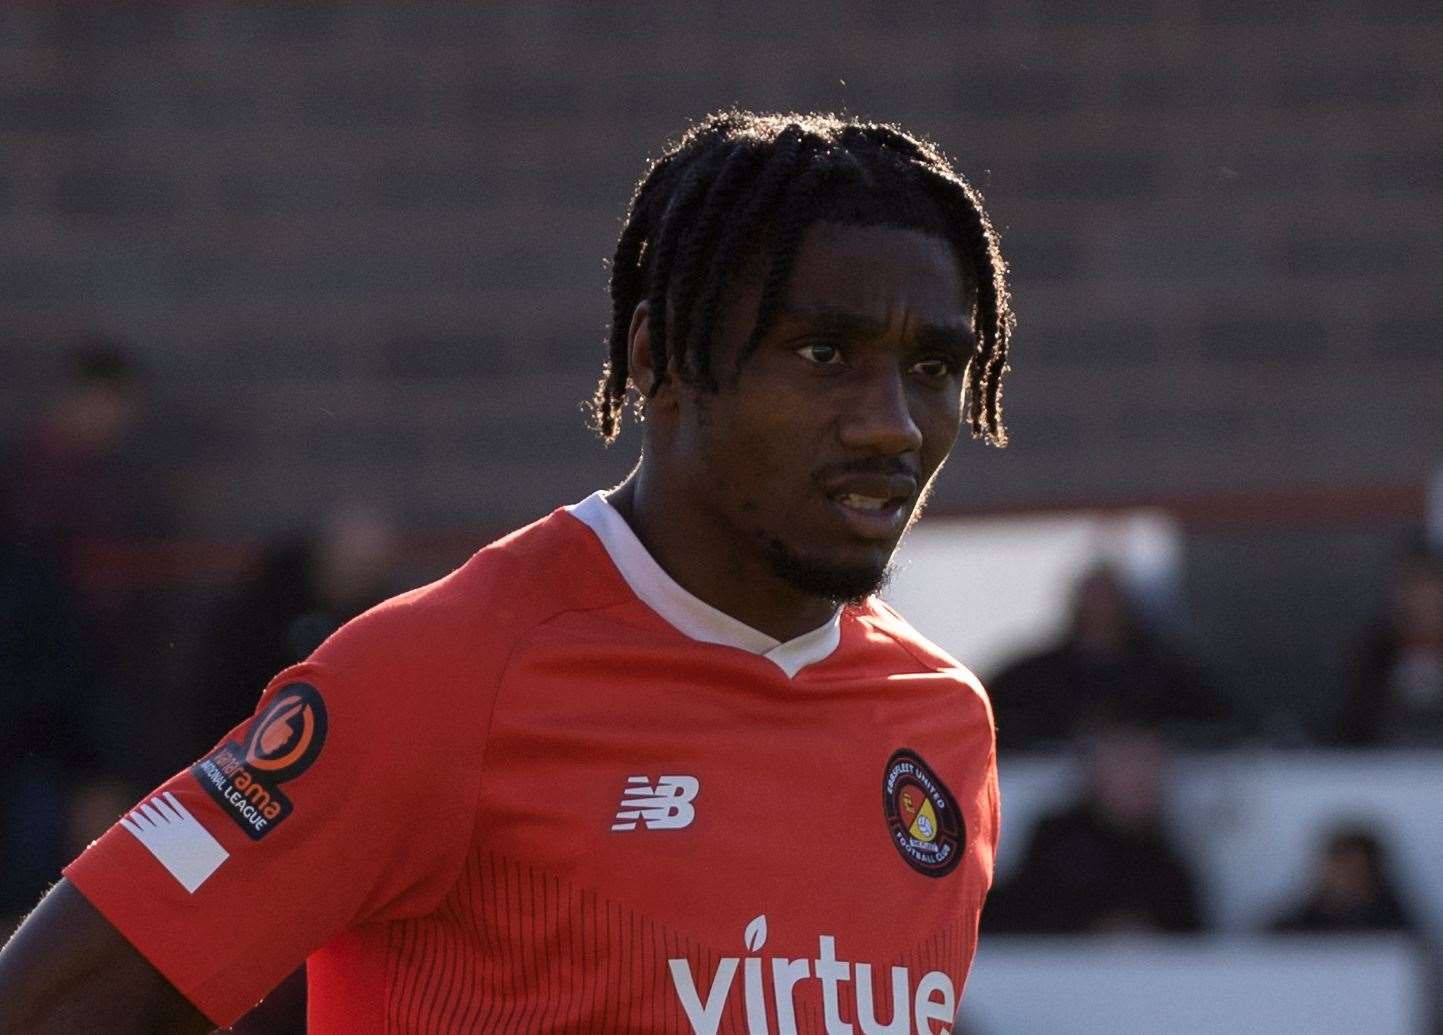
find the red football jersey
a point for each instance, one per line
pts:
(554, 792)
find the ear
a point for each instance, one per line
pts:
(639, 358)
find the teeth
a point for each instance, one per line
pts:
(851, 499)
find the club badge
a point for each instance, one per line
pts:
(922, 816)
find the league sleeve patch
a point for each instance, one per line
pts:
(245, 778)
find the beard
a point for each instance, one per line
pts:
(839, 583)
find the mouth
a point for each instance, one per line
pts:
(856, 501)
(872, 504)
(872, 517)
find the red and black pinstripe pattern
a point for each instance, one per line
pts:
(514, 950)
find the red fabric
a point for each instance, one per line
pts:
(449, 864)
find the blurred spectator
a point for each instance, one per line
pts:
(303, 590)
(45, 669)
(1351, 890)
(1105, 863)
(61, 489)
(67, 481)
(81, 481)
(1109, 661)
(1395, 688)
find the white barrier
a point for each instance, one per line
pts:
(1250, 822)
(1214, 985)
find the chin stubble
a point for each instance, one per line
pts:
(841, 584)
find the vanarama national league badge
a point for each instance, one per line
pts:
(922, 815)
(279, 745)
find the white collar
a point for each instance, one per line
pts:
(689, 614)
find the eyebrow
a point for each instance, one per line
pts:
(957, 338)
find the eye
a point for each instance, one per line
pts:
(822, 353)
(936, 368)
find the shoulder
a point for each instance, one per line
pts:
(432, 659)
(913, 651)
(883, 619)
(404, 694)
(474, 616)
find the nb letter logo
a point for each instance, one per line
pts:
(667, 806)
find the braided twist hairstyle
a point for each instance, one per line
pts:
(739, 188)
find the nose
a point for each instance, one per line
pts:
(879, 418)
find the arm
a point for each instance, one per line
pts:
(181, 875)
(67, 970)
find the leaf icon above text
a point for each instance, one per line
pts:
(756, 934)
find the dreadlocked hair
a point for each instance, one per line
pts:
(739, 187)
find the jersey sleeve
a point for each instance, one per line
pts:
(347, 798)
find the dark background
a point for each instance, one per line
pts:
(358, 253)
(359, 249)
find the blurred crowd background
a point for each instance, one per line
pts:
(300, 301)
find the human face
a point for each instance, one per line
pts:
(818, 454)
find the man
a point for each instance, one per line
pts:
(1105, 862)
(1109, 663)
(658, 762)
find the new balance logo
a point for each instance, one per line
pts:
(667, 806)
(176, 838)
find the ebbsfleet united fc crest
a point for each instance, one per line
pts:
(922, 815)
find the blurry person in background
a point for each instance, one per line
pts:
(1109, 661)
(1351, 891)
(63, 487)
(45, 669)
(1106, 862)
(76, 490)
(67, 481)
(303, 589)
(1395, 689)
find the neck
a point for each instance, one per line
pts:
(712, 562)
